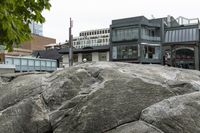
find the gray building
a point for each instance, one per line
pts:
(168, 41)
(136, 40)
(181, 44)
(97, 53)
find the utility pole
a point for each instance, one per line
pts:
(70, 44)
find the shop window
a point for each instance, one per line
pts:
(102, 56)
(152, 52)
(125, 52)
(87, 56)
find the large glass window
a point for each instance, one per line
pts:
(151, 52)
(150, 34)
(125, 52)
(17, 61)
(102, 56)
(87, 56)
(125, 34)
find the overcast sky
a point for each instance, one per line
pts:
(95, 14)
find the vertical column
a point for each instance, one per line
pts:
(140, 53)
(196, 55)
(108, 56)
(162, 37)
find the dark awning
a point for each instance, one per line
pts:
(86, 49)
(182, 35)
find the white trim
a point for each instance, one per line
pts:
(151, 44)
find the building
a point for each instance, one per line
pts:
(92, 38)
(97, 53)
(52, 54)
(37, 43)
(18, 52)
(136, 40)
(55, 46)
(168, 41)
(36, 28)
(181, 44)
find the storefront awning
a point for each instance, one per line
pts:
(182, 35)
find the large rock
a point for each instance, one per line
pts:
(176, 114)
(101, 97)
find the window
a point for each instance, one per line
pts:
(43, 63)
(87, 56)
(125, 34)
(125, 52)
(17, 61)
(31, 62)
(53, 64)
(37, 63)
(24, 62)
(151, 52)
(48, 64)
(150, 34)
(102, 56)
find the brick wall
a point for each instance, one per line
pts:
(37, 43)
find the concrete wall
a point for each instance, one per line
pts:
(6, 70)
(80, 57)
(37, 42)
(95, 56)
(108, 56)
(65, 59)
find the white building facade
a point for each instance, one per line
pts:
(92, 38)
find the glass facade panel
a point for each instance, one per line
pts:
(53, 64)
(125, 34)
(8, 61)
(103, 56)
(43, 63)
(31, 62)
(150, 34)
(24, 62)
(16, 61)
(37, 63)
(125, 52)
(48, 64)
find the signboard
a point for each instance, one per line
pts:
(2, 58)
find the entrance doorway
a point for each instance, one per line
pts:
(184, 58)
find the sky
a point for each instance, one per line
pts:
(96, 14)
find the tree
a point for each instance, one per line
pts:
(15, 17)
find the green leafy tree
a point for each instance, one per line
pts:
(15, 17)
